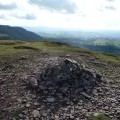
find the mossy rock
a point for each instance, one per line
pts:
(100, 116)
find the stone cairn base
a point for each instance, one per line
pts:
(66, 80)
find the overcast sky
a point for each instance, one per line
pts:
(71, 14)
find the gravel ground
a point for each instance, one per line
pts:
(18, 102)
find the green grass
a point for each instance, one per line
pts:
(12, 47)
(9, 47)
(107, 57)
(100, 116)
(25, 47)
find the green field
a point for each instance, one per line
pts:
(8, 48)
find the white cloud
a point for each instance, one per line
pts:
(8, 6)
(26, 16)
(57, 5)
(2, 16)
(94, 14)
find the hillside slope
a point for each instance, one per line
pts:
(20, 60)
(17, 33)
(104, 41)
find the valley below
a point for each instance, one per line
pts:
(106, 41)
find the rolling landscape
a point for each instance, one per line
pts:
(59, 60)
(104, 41)
(23, 57)
(92, 40)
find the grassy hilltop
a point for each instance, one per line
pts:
(18, 58)
(11, 47)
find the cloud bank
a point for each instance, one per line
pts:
(70, 14)
(58, 5)
(27, 16)
(8, 6)
(2, 17)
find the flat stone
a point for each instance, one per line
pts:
(28, 105)
(36, 103)
(19, 100)
(50, 99)
(33, 82)
(36, 113)
(85, 95)
(44, 114)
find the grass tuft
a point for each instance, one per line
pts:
(100, 116)
(25, 47)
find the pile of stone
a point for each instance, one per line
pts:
(66, 79)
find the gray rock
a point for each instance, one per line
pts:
(36, 103)
(86, 95)
(44, 114)
(70, 73)
(33, 82)
(28, 105)
(68, 84)
(19, 100)
(50, 99)
(36, 113)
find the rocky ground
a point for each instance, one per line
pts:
(18, 101)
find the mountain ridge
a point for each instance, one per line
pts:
(17, 33)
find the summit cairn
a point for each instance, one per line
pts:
(67, 78)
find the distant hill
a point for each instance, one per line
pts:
(107, 41)
(17, 33)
